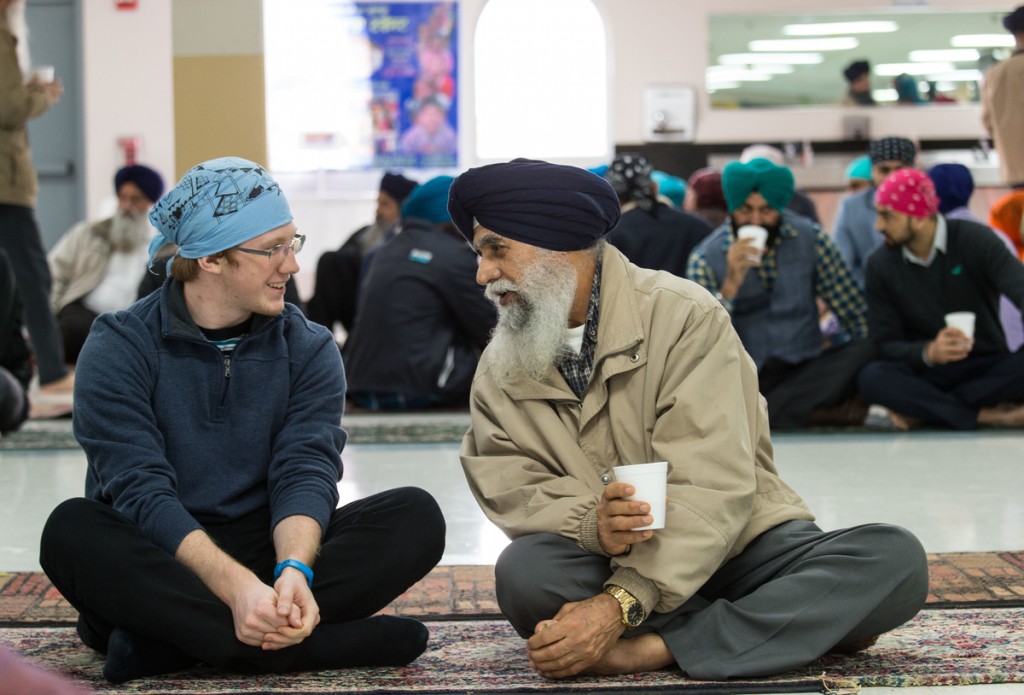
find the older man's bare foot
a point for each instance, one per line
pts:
(903, 422)
(1003, 415)
(64, 385)
(637, 655)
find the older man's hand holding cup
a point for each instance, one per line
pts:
(633, 506)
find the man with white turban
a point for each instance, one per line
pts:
(210, 415)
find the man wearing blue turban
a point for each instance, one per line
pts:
(774, 308)
(210, 413)
(422, 320)
(598, 363)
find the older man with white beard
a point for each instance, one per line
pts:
(597, 363)
(97, 266)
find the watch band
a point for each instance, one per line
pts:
(302, 567)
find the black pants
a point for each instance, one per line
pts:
(75, 321)
(373, 550)
(947, 395)
(19, 237)
(794, 391)
(791, 595)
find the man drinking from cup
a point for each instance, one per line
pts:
(935, 369)
(768, 274)
(596, 364)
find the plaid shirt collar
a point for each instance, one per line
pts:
(576, 369)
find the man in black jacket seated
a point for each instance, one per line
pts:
(422, 320)
(650, 233)
(932, 374)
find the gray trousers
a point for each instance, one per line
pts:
(791, 595)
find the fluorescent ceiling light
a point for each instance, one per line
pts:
(775, 69)
(951, 55)
(772, 58)
(956, 76)
(722, 73)
(983, 41)
(717, 86)
(892, 69)
(839, 43)
(834, 28)
(884, 94)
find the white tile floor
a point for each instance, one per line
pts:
(956, 491)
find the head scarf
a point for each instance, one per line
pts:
(217, 205)
(953, 184)
(906, 89)
(707, 189)
(892, 149)
(429, 201)
(759, 175)
(1014, 22)
(397, 186)
(761, 151)
(856, 69)
(149, 182)
(672, 187)
(1007, 215)
(552, 206)
(909, 192)
(859, 168)
(630, 176)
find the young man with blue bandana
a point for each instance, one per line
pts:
(210, 415)
(771, 297)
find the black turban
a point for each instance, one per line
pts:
(1014, 22)
(552, 206)
(148, 181)
(397, 186)
(856, 69)
(892, 149)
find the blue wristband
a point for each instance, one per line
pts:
(297, 565)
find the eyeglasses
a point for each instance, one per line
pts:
(280, 251)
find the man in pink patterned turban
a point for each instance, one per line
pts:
(931, 373)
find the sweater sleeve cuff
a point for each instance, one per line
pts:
(589, 539)
(643, 589)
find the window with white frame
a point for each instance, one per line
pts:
(541, 80)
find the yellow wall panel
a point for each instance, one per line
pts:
(219, 109)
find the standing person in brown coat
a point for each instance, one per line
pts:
(1002, 104)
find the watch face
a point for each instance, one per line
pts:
(635, 614)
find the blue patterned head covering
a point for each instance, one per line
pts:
(217, 205)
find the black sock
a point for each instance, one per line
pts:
(130, 657)
(383, 640)
(90, 636)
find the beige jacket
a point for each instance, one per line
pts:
(1002, 111)
(671, 382)
(19, 104)
(78, 262)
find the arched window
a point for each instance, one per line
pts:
(541, 80)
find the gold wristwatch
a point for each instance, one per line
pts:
(633, 612)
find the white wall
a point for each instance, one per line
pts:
(128, 88)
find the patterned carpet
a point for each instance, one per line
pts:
(939, 647)
(460, 592)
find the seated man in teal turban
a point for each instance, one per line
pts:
(422, 320)
(771, 296)
(598, 363)
(210, 412)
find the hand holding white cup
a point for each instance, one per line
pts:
(650, 480)
(44, 74)
(758, 237)
(962, 321)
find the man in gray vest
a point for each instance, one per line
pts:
(774, 308)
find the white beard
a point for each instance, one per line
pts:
(19, 27)
(532, 328)
(128, 231)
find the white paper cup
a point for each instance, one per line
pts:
(964, 320)
(758, 235)
(651, 483)
(43, 73)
